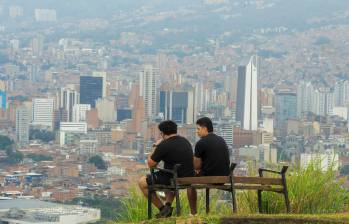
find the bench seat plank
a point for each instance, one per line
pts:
(225, 179)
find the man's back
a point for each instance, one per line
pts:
(175, 150)
(214, 153)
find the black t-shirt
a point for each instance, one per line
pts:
(214, 154)
(175, 150)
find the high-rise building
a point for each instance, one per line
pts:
(247, 94)
(43, 112)
(45, 15)
(67, 99)
(285, 108)
(226, 130)
(15, 11)
(323, 101)
(22, 125)
(148, 80)
(79, 112)
(178, 105)
(3, 100)
(106, 109)
(305, 95)
(341, 93)
(92, 88)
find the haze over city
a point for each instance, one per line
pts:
(84, 85)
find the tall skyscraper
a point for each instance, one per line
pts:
(285, 108)
(43, 112)
(67, 99)
(247, 93)
(148, 79)
(22, 125)
(178, 105)
(305, 95)
(92, 88)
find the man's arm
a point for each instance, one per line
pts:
(197, 163)
(150, 161)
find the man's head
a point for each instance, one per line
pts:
(167, 128)
(204, 126)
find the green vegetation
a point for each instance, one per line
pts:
(13, 156)
(311, 191)
(110, 207)
(39, 157)
(43, 135)
(5, 142)
(98, 162)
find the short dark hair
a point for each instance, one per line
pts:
(168, 127)
(205, 122)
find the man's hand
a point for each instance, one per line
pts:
(197, 163)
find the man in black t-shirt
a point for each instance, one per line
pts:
(211, 156)
(171, 149)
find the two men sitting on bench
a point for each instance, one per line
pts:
(211, 158)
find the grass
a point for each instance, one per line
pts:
(311, 191)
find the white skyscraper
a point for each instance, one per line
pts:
(67, 99)
(79, 112)
(43, 112)
(22, 125)
(148, 80)
(247, 94)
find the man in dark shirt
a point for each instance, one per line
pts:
(211, 156)
(171, 149)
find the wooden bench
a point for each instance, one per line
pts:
(229, 183)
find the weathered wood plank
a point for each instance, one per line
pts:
(225, 179)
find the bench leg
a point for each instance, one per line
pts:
(150, 192)
(233, 200)
(260, 210)
(287, 201)
(178, 205)
(207, 200)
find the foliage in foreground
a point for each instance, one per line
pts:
(311, 191)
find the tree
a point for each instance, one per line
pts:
(39, 157)
(43, 135)
(5, 142)
(98, 162)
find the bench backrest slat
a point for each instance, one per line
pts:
(204, 180)
(258, 180)
(226, 179)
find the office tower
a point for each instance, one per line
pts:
(59, 115)
(79, 112)
(22, 125)
(92, 88)
(305, 95)
(67, 99)
(106, 109)
(148, 80)
(285, 108)
(45, 15)
(247, 94)
(178, 105)
(43, 112)
(341, 93)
